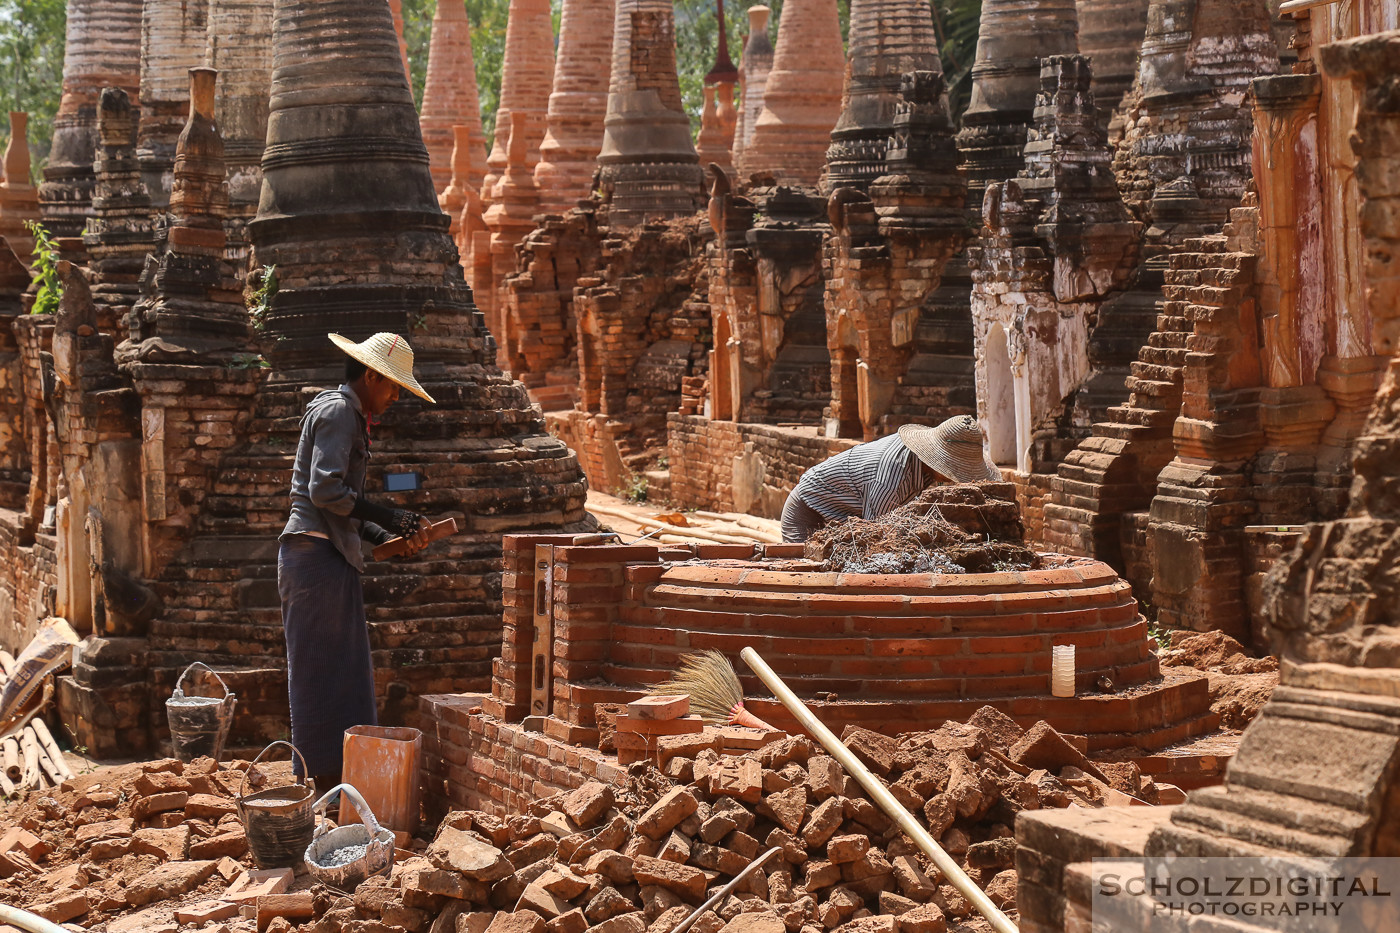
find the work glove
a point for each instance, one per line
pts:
(401, 522)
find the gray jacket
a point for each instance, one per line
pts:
(329, 474)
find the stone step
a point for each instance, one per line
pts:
(1267, 828)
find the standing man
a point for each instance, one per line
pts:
(330, 675)
(877, 477)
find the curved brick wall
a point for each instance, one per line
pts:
(876, 637)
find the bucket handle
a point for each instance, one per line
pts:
(223, 686)
(243, 785)
(356, 801)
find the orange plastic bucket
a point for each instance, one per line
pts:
(382, 763)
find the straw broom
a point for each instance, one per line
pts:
(716, 695)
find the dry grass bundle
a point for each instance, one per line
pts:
(716, 695)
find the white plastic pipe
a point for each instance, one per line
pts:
(27, 921)
(880, 794)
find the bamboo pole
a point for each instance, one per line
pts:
(46, 764)
(7, 663)
(7, 786)
(879, 793)
(46, 739)
(30, 746)
(11, 756)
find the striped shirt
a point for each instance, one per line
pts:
(868, 480)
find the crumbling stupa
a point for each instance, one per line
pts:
(103, 49)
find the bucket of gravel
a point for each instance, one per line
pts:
(344, 856)
(198, 724)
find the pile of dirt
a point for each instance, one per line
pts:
(1214, 651)
(1240, 684)
(963, 528)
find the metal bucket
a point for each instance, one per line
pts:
(199, 725)
(378, 843)
(277, 821)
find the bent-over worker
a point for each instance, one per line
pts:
(877, 477)
(330, 674)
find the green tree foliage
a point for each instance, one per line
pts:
(696, 34)
(31, 66)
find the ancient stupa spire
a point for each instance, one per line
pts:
(19, 199)
(240, 49)
(527, 75)
(753, 78)
(722, 76)
(450, 95)
(709, 144)
(577, 104)
(174, 34)
(888, 39)
(102, 49)
(802, 99)
(351, 221)
(1012, 38)
(648, 162)
(121, 230)
(396, 8)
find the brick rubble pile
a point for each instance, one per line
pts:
(158, 846)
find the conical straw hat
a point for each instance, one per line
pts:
(387, 354)
(953, 448)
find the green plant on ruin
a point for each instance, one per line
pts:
(663, 462)
(260, 300)
(246, 361)
(634, 487)
(46, 269)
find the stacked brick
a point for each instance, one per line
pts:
(240, 50)
(562, 252)
(801, 97)
(1204, 500)
(1110, 34)
(703, 454)
(754, 67)
(450, 96)
(19, 199)
(578, 103)
(461, 199)
(174, 36)
(122, 227)
(710, 146)
(888, 247)
(102, 50)
(647, 166)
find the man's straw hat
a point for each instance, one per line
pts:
(387, 354)
(953, 448)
